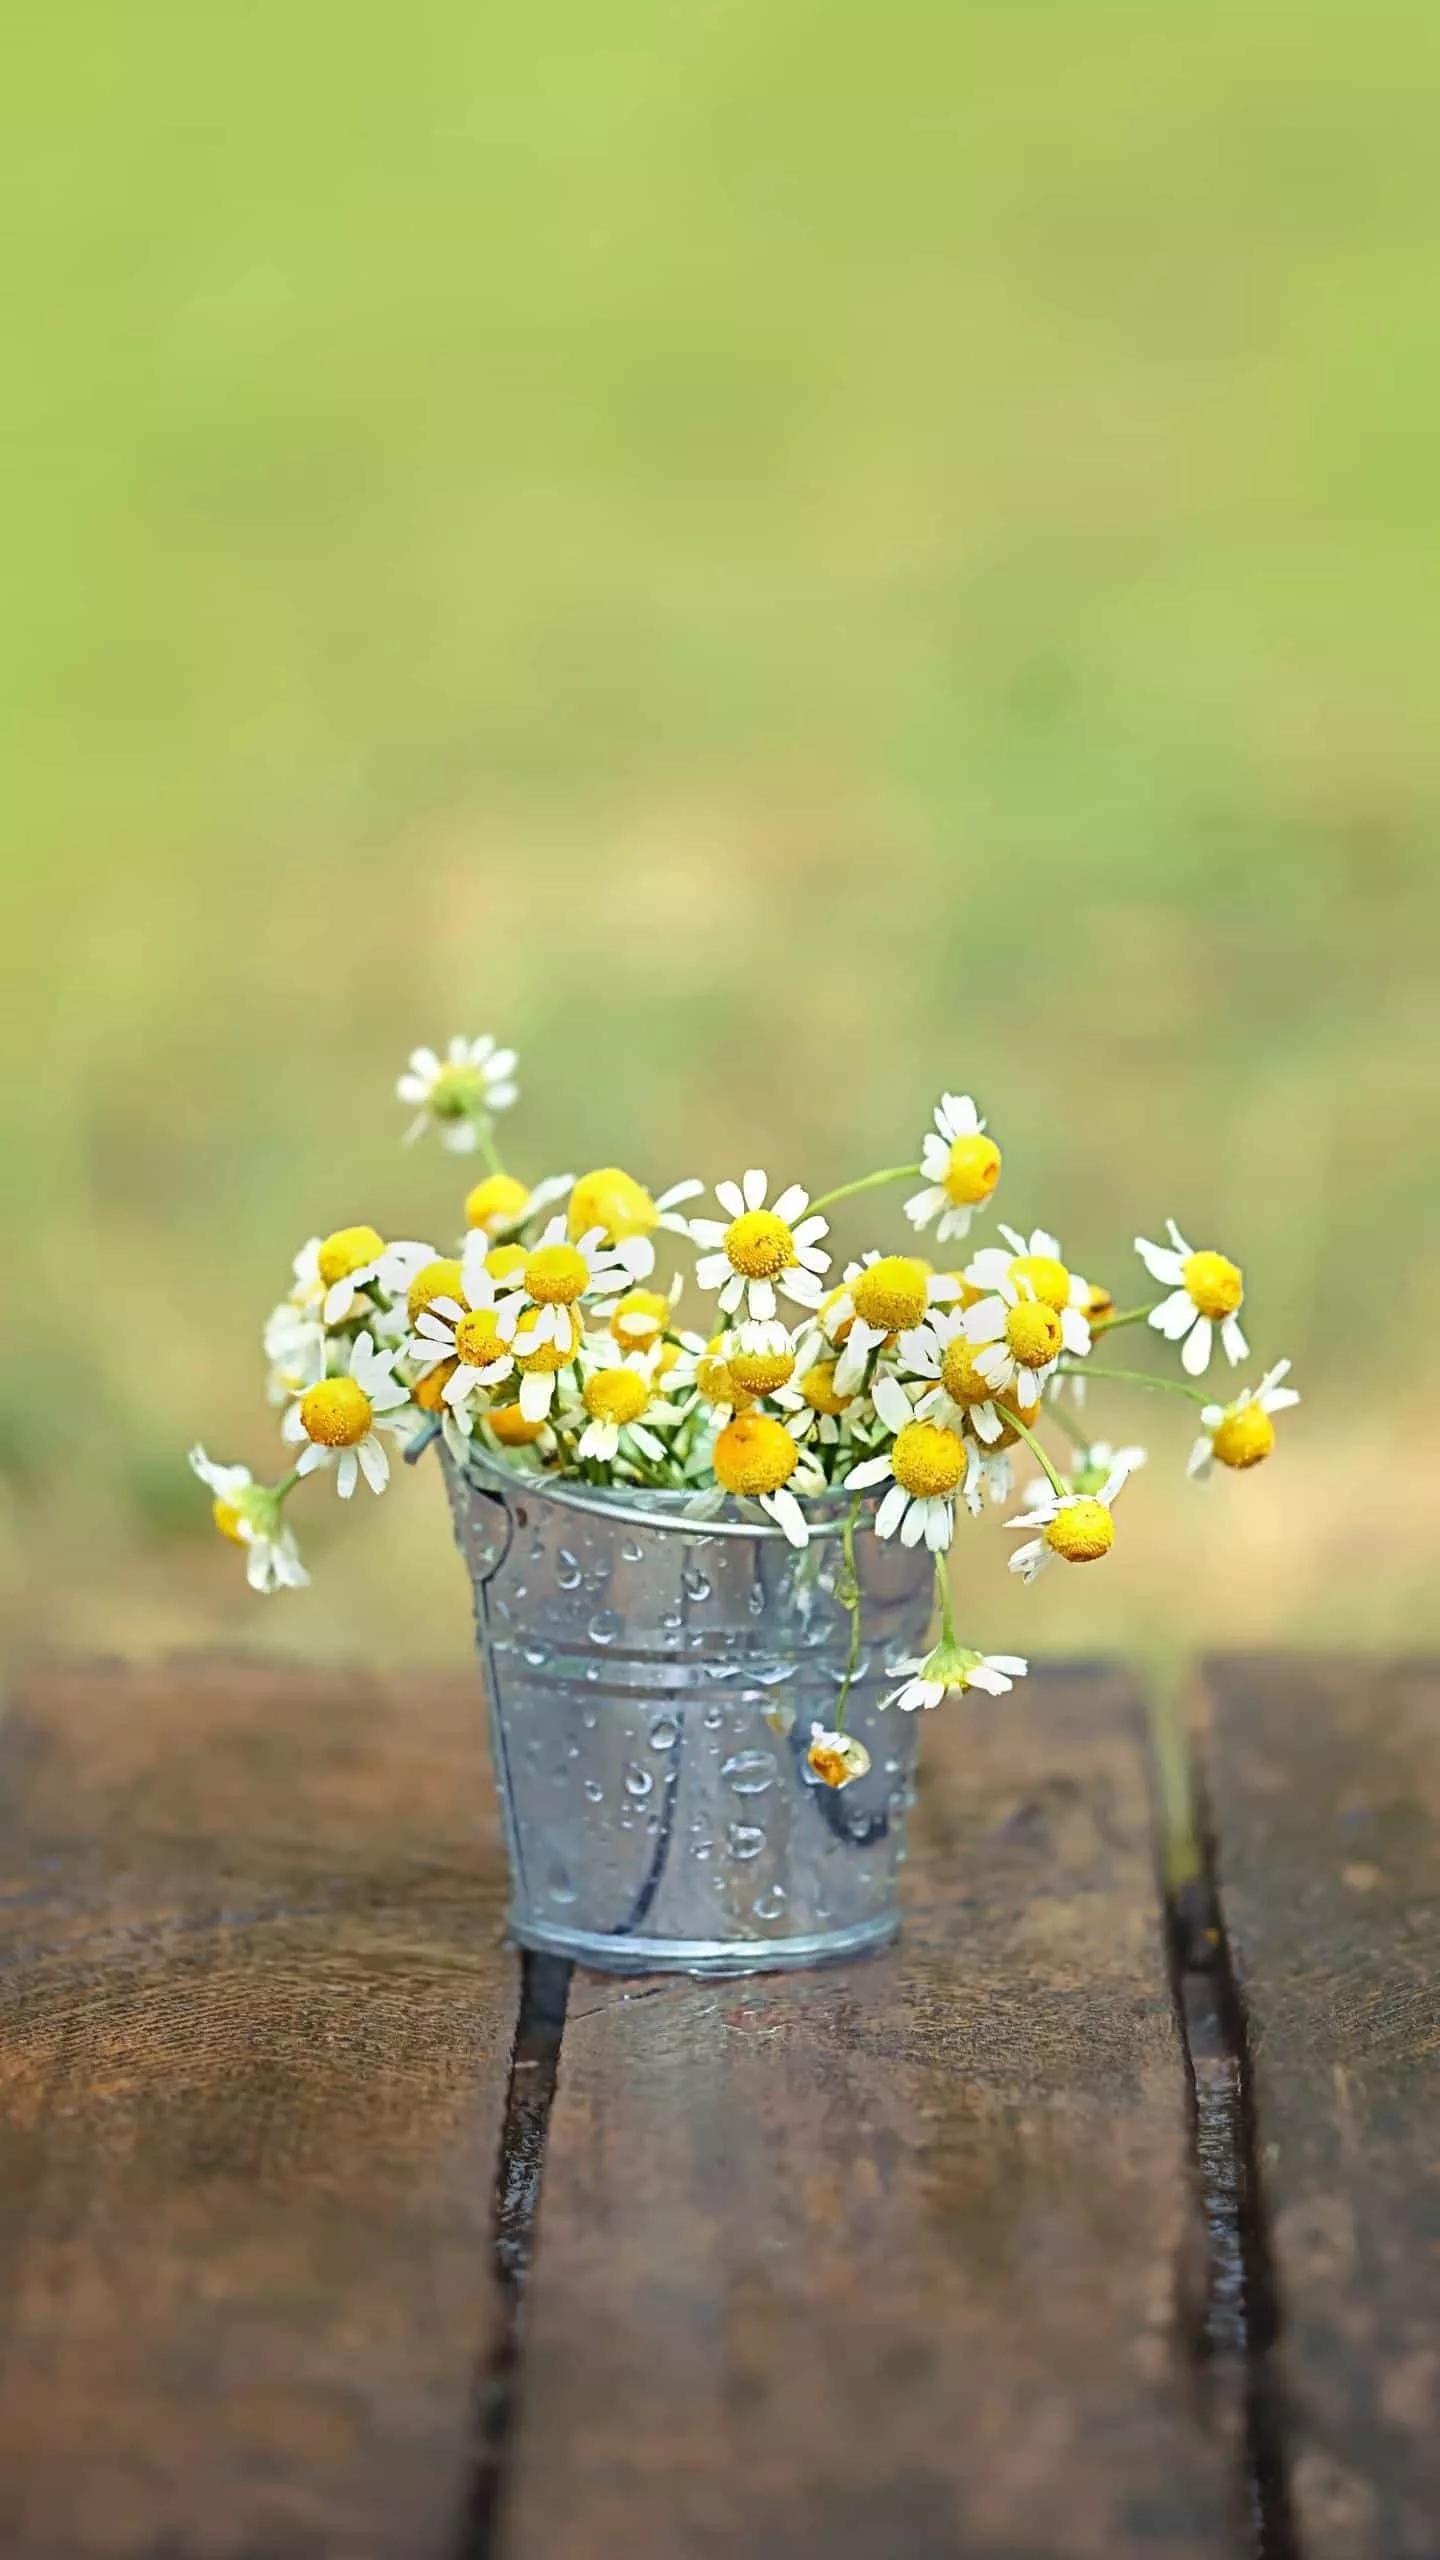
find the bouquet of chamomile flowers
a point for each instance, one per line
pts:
(551, 1338)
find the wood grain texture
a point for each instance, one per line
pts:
(254, 2028)
(1325, 1786)
(885, 2260)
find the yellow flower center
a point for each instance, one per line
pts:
(1045, 1278)
(542, 1359)
(928, 1459)
(613, 1201)
(336, 1413)
(1032, 1331)
(616, 1395)
(438, 1279)
(713, 1379)
(1244, 1437)
(759, 1244)
(429, 1391)
(891, 1293)
(349, 1249)
(512, 1428)
(227, 1518)
(973, 1170)
(1216, 1285)
(498, 1202)
(959, 1376)
(1099, 1304)
(754, 1454)
(1081, 1531)
(639, 1315)
(818, 1389)
(478, 1339)
(506, 1261)
(836, 1758)
(556, 1275)
(760, 1373)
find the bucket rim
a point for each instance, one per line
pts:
(664, 1511)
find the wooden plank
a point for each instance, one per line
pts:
(1325, 1785)
(888, 2259)
(254, 2029)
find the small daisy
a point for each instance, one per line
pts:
(619, 1396)
(455, 1093)
(1242, 1433)
(501, 1202)
(250, 1515)
(880, 1297)
(625, 1212)
(760, 1248)
(1206, 1290)
(961, 1395)
(338, 1419)
(961, 1168)
(1036, 1264)
(1018, 1337)
(836, 1759)
(332, 1272)
(1077, 1526)
(641, 1318)
(927, 1464)
(756, 1458)
(455, 1308)
(542, 1303)
(814, 1404)
(955, 1667)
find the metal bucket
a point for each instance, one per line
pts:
(652, 1683)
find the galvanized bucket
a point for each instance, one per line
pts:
(652, 1682)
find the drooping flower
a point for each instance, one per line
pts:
(250, 1515)
(961, 1168)
(1242, 1433)
(761, 1249)
(926, 1465)
(337, 1418)
(950, 1666)
(835, 1758)
(458, 1092)
(1077, 1526)
(1206, 1290)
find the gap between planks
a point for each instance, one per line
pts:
(1231, 2331)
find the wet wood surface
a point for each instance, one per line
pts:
(1325, 1788)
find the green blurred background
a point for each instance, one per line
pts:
(780, 557)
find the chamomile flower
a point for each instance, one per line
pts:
(541, 1305)
(961, 1395)
(338, 1418)
(950, 1666)
(1206, 1289)
(641, 1318)
(501, 1202)
(756, 1457)
(1077, 1526)
(454, 1306)
(1017, 1339)
(760, 1249)
(961, 1168)
(835, 1758)
(456, 1093)
(250, 1515)
(1241, 1434)
(880, 1297)
(926, 1464)
(1035, 1265)
(332, 1272)
(612, 1202)
(620, 1399)
(815, 1405)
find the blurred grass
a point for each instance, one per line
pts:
(780, 557)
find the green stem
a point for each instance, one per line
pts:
(866, 1182)
(286, 1484)
(942, 1595)
(1057, 1481)
(849, 1594)
(1127, 1315)
(1133, 1378)
(485, 1132)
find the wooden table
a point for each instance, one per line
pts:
(1076, 2225)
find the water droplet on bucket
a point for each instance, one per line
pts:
(631, 1550)
(638, 1781)
(749, 1772)
(744, 1840)
(664, 1733)
(537, 1655)
(558, 1884)
(695, 1584)
(713, 1719)
(605, 1626)
(594, 1791)
(768, 1906)
(567, 1570)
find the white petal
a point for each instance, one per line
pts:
(762, 1299)
(891, 1402)
(892, 1511)
(754, 1187)
(731, 1199)
(374, 1465)
(1195, 1356)
(1174, 1315)
(1162, 1265)
(1236, 1346)
(347, 1474)
(870, 1471)
(792, 1201)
